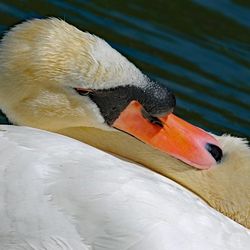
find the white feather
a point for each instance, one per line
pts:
(58, 193)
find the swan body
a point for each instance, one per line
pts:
(59, 193)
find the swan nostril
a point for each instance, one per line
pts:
(215, 151)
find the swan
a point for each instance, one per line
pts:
(58, 78)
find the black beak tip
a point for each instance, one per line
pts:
(215, 151)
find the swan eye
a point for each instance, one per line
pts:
(83, 92)
(152, 119)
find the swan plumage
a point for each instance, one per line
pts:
(59, 193)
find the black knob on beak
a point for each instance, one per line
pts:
(158, 100)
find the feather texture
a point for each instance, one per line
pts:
(59, 193)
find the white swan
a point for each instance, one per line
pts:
(97, 201)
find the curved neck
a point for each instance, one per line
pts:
(225, 187)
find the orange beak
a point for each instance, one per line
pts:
(174, 137)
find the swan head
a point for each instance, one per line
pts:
(54, 76)
(51, 69)
(58, 78)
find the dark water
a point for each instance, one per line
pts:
(199, 48)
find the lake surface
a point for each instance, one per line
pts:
(199, 48)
